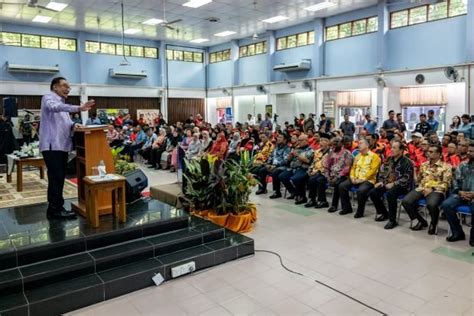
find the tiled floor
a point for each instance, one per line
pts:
(398, 272)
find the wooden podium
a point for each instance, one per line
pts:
(91, 148)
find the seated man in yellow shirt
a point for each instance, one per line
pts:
(434, 180)
(362, 176)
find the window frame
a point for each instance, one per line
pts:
(40, 45)
(427, 15)
(297, 46)
(338, 27)
(224, 54)
(124, 49)
(264, 49)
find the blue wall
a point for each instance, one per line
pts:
(253, 70)
(429, 44)
(353, 55)
(220, 74)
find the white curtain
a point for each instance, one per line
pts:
(354, 98)
(436, 95)
(292, 104)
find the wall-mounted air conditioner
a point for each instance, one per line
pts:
(302, 65)
(127, 74)
(32, 69)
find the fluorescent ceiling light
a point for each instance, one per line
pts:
(320, 6)
(131, 31)
(225, 33)
(196, 3)
(153, 22)
(275, 19)
(56, 6)
(199, 40)
(42, 19)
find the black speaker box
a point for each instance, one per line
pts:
(136, 182)
(10, 108)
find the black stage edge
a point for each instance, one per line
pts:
(50, 267)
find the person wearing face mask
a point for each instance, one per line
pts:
(56, 131)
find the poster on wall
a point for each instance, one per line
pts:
(224, 115)
(107, 115)
(329, 108)
(269, 109)
(149, 116)
(224, 110)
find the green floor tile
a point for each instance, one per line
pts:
(298, 210)
(466, 256)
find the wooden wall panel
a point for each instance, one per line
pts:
(33, 102)
(179, 109)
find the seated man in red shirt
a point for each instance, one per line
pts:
(451, 157)
(414, 147)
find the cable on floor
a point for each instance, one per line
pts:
(321, 283)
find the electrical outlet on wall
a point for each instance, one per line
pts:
(183, 269)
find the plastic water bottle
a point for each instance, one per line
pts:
(101, 168)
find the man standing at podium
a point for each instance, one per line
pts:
(56, 131)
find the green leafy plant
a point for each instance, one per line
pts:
(221, 186)
(121, 163)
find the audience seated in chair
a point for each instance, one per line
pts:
(463, 194)
(362, 176)
(317, 182)
(395, 180)
(336, 168)
(274, 165)
(434, 180)
(295, 176)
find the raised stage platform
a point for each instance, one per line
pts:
(49, 267)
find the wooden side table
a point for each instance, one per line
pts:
(22, 162)
(116, 186)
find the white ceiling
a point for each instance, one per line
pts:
(235, 15)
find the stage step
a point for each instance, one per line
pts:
(70, 294)
(60, 276)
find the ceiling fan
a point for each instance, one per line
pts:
(165, 22)
(31, 4)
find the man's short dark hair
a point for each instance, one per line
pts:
(55, 81)
(430, 112)
(399, 114)
(391, 111)
(322, 115)
(401, 145)
(438, 148)
(466, 116)
(422, 115)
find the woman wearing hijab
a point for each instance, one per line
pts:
(194, 147)
(219, 148)
(234, 147)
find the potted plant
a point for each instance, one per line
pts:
(219, 191)
(121, 164)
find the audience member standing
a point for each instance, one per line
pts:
(390, 125)
(402, 126)
(324, 124)
(347, 127)
(370, 124)
(434, 124)
(422, 127)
